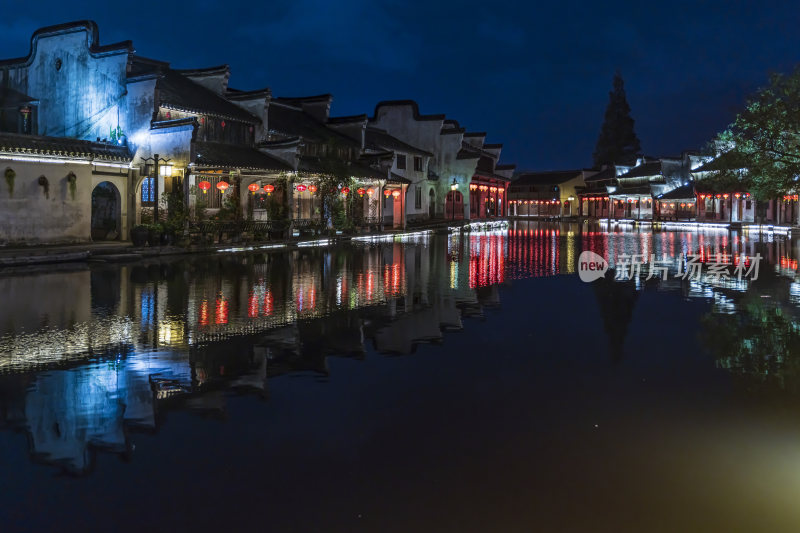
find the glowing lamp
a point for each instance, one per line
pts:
(737, 195)
(223, 186)
(395, 193)
(204, 186)
(473, 186)
(269, 189)
(345, 190)
(312, 188)
(387, 193)
(253, 187)
(719, 196)
(301, 187)
(725, 196)
(500, 190)
(370, 192)
(672, 206)
(361, 191)
(493, 189)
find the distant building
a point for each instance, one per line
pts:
(551, 194)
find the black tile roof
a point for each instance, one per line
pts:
(546, 178)
(214, 154)
(684, 192)
(467, 154)
(726, 161)
(376, 139)
(291, 121)
(606, 174)
(652, 168)
(314, 165)
(13, 98)
(179, 92)
(633, 189)
(62, 147)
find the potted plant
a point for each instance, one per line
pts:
(139, 235)
(154, 234)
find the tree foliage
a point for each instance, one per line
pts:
(762, 146)
(617, 142)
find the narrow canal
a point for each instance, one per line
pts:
(431, 383)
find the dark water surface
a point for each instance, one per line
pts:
(470, 383)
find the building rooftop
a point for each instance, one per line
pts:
(294, 122)
(679, 193)
(34, 145)
(179, 92)
(650, 168)
(725, 161)
(212, 154)
(378, 139)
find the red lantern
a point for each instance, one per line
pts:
(719, 196)
(370, 192)
(204, 186)
(312, 188)
(737, 195)
(473, 186)
(269, 189)
(725, 196)
(345, 190)
(253, 187)
(222, 123)
(493, 189)
(395, 193)
(301, 187)
(387, 193)
(223, 186)
(500, 190)
(361, 191)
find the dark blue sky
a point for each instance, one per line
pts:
(536, 77)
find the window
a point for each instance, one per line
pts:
(418, 197)
(401, 161)
(148, 191)
(165, 170)
(417, 163)
(748, 205)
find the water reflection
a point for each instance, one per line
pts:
(104, 351)
(92, 354)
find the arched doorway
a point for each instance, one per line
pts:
(454, 206)
(106, 212)
(431, 204)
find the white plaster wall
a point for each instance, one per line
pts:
(28, 216)
(84, 98)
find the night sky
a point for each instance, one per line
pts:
(535, 77)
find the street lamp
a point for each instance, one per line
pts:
(453, 188)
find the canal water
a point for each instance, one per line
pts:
(429, 383)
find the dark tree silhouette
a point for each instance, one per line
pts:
(618, 142)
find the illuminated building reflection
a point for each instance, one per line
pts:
(178, 334)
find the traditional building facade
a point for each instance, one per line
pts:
(458, 159)
(124, 133)
(552, 194)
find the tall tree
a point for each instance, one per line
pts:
(618, 142)
(762, 145)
